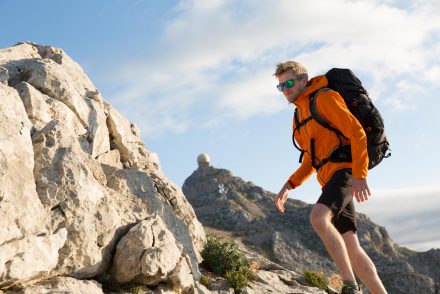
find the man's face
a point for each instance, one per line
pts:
(291, 94)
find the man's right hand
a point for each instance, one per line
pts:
(282, 197)
(361, 190)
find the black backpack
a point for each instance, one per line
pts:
(360, 105)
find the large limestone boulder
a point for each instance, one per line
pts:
(76, 178)
(149, 254)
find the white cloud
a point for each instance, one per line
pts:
(433, 74)
(213, 52)
(254, 94)
(388, 204)
(423, 246)
(411, 215)
(404, 92)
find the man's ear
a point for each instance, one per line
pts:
(304, 83)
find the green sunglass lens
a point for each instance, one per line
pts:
(289, 83)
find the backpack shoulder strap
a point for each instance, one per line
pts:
(315, 114)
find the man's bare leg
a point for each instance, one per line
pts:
(362, 264)
(320, 219)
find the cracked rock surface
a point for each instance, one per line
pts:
(76, 181)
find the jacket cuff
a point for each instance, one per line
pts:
(292, 185)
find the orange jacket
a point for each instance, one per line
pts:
(331, 106)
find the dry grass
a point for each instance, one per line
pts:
(335, 282)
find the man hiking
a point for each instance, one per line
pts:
(333, 216)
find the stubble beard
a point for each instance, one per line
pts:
(292, 97)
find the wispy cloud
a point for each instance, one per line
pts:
(411, 215)
(218, 56)
(423, 246)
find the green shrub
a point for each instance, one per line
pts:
(316, 279)
(206, 281)
(239, 279)
(222, 256)
(225, 259)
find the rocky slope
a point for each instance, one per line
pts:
(82, 201)
(227, 203)
(84, 206)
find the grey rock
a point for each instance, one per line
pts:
(426, 263)
(4, 76)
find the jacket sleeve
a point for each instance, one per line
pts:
(332, 108)
(304, 171)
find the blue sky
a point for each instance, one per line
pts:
(196, 76)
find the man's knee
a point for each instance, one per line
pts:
(320, 217)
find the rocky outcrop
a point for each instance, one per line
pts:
(78, 186)
(246, 211)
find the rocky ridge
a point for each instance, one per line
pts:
(228, 204)
(84, 206)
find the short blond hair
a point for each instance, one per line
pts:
(297, 68)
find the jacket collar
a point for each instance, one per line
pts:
(313, 85)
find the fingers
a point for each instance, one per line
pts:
(279, 201)
(361, 194)
(279, 204)
(360, 190)
(280, 207)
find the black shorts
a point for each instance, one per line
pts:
(337, 195)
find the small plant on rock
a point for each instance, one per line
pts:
(239, 279)
(316, 279)
(225, 259)
(206, 281)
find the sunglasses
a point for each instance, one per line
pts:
(287, 84)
